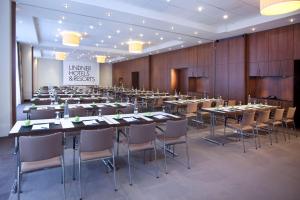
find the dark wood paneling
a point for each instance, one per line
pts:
(124, 70)
(262, 49)
(297, 42)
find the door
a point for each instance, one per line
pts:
(135, 80)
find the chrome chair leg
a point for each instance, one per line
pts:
(187, 154)
(165, 154)
(79, 178)
(18, 182)
(114, 166)
(74, 148)
(255, 138)
(243, 141)
(259, 143)
(63, 175)
(155, 160)
(129, 167)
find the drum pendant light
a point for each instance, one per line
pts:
(278, 7)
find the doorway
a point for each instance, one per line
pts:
(135, 80)
(297, 91)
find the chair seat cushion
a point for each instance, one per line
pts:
(170, 141)
(239, 127)
(95, 155)
(288, 120)
(190, 115)
(140, 147)
(42, 164)
(275, 123)
(260, 125)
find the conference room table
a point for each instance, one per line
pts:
(47, 95)
(182, 103)
(72, 98)
(229, 110)
(87, 106)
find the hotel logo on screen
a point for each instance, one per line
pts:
(80, 73)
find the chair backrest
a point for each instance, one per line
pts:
(42, 114)
(291, 113)
(219, 102)
(248, 118)
(90, 100)
(80, 112)
(278, 114)
(127, 110)
(176, 128)
(206, 104)
(96, 140)
(231, 102)
(36, 148)
(142, 133)
(192, 107)
(108, 110)
(42, 102)
(159, 102)
(263, 116)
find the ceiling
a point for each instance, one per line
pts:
(164, 25)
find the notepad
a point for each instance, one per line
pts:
(160, 117)
(66, 123)
(40, 126)
(146, 118)
(90, 122)
(174, 116)
(129, 119)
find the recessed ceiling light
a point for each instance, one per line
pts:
(199, 42)
(60, 21)
(118, 31)
(143, 21)
(196, 33)
(115, 46)
(172, 27)
(170, 48)
(179, 38)
(57, 35)
(109, 36)
(102, 41)
(85, 33)
(161, 38)
(122, 43)
(168, 1)
(225, 16)
(55, 40)
(149, 42)
(81, 38)
(253, 29)
(156, 33)
(291, 20)
(130, 29)
(66, 5)
(141, 35)
(200, 8)
(99, 23)
(182, 46)
(97, 45)
(63, 18)
(91, 27)
(58, 30)
(108, 14)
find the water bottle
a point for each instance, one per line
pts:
(66, 109)
(57, 121)
(100, 113)
(249, 99)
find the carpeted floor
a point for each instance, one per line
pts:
(218, 172)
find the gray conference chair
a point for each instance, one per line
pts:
(80, 112)
(245, 125)
(108, 110)
(38, 153)
(175, 133)
(42, 114)
(96, 145)
(141, 138)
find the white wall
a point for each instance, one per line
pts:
(105, 74)
(26, 64)
(48, 72)
(5, 63)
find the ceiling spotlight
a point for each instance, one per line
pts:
(141, 35)
(91, 27)
(143, 21)
(108, 14)
(179, 38)
(182, 46)
(60, 21)
(118, 31)
(58, 30)
(168, 1)
(66, 6)
(200, 8)
(99, 23)
(291, 20)
(122, 43)
(97, 45)
(115, 46)
(55, 40)
(156, 33)
(130, 29)
(161, 38)
(225, 16)
(109, 36)
(85, 33)
(253, 29)
(199, 42)
(149, 42)
(102, 41)
(196, 33)
(172, 27)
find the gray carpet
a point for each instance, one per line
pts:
(218, 172)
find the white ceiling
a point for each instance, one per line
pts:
(163, 25)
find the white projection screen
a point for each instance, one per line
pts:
(80, 73)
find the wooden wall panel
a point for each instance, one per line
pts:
(124, 69)
(297, 42)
